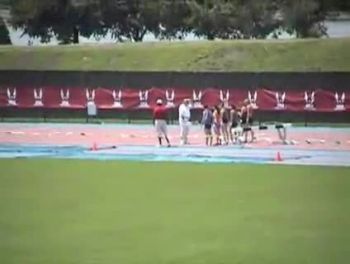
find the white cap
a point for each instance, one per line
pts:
(159, 101)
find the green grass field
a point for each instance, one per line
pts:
(54, 211)
(271, 55)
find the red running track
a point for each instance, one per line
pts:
(87, 135)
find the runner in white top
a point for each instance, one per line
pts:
(184, 120)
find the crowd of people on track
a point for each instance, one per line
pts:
(222, 124)
(227, 124)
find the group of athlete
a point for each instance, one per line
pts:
(228, 124)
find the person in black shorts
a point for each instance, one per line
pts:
(247, 120)
(207, 122)
(225, 115)
(234, 121)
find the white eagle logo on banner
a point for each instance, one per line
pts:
(225, 97)
(11, 97)
(340, 101)
(117, 97)
(38, 97)
(64, 98)
(253, 99)
(170, 97)
(197, 99)
(90, 95)
(309, 100)
(280, 100)
(143, 95)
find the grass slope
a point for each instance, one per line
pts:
(122, 212)
(272, 55)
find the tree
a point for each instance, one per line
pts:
(65, 19)
(213, 19)
(4, 34)
(257, 19)
(234, 19)
(4, 3)
(304, 17)
(142, 16)
(173, 18)
(131, 19)
(169, 19)
(335, 5)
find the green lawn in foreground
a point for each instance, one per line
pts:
(242, 55)
(62, 212)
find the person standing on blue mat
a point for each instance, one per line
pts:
(184, 121)
(207, 122)
(217, 125)
(160, 116)
(247, 120)
(235, 129)
(225, 115)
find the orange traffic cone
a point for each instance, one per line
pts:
(94, 146)
(279, 157)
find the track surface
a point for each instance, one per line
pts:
(312, 146)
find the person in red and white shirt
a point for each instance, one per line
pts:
(160, 116)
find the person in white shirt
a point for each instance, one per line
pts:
(184, 120)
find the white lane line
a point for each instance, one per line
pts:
(16, 132)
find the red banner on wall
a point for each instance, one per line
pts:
(127, 98)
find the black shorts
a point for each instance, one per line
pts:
(234, 125)
(250, 121)
(207, 126)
